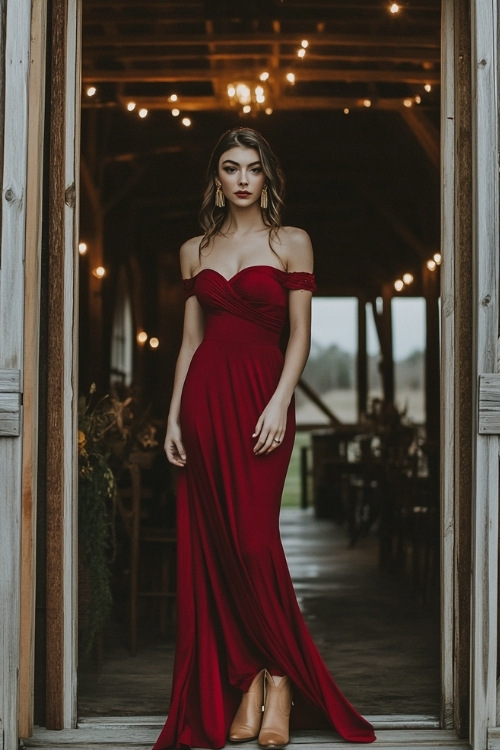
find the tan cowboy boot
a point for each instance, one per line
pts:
(274, 732)
(246, 723)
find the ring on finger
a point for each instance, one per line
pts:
(275, 440)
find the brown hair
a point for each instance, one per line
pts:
(211, 216)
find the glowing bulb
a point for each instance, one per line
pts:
(176, 112)
(143, 112)
(394, 8)
(173, 98)
(264, 76)
(99, 272)
(142, 337)
(259, 91)
(268, 110)
(247, 108)
(408, 102)
(131, 106)
(301, 52)
(304, 43)
(154, 342)
(91, 91)
(431, 265)
(231, 91)
(407, 278)
(367, 103)
(399, 285)
(186, 122)
(437, 258)
(428, 87)
(82, 248)
(243, 93)
(346, 110)
(418, 99)
(290, 77)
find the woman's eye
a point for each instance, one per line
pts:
(257, 170)
(229, 170)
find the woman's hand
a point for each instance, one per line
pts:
(173, 446)
(270, 428)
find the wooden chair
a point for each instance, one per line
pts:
(132, 499)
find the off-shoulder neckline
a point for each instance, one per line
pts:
(242, 270)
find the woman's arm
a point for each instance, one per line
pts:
(271, 424)
(192, 335)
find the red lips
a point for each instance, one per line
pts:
(242, 194)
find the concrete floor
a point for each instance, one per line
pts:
(379, 641)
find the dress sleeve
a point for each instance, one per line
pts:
(300, 280)
(188, 287)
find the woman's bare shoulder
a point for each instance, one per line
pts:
(189, 256)
(295, 249)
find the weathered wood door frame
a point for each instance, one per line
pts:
(484, 232)
(15, 69)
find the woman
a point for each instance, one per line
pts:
(231, 431)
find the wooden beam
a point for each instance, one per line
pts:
(395, 221)
(425, 132)
(430, 42)
(278, 102)
(138, 75)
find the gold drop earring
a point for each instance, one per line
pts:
(263, 197)
(220, 200)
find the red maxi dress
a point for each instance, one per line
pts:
(237, 609)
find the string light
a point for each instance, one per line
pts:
(131, 106)
(346, 110)
(176, 112)
(143, 112)
(290, 77)
(408, 278)
(91, 91)
(173, 98)
(437, 258)
(394, 8)
(99, 272)
(418, 99)
(82, 248)
(428, 87)
(154, 343)
(431, 265)
(304, 43)
(186, 122)
(142, 337)
(408, 102)
(301, 52)
(399, 285)
(367, 103)
(264, 76)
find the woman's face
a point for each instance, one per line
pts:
(241, 176)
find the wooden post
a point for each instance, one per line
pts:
(61, 456)
(383, 324)
(362, 361)
(484, 356)
(34, 197)
(432, 355)
(15, 63)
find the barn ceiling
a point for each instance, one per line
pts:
(357, 128)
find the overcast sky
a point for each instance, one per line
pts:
(335, 322)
